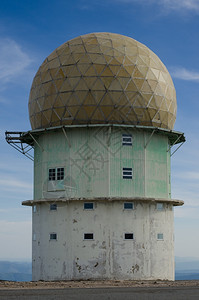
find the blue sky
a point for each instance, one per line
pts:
(31, 30)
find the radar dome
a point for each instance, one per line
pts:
(102, 78)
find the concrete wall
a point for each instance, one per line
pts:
(93, 159)
(109, 255)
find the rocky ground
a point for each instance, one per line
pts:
(95, 284)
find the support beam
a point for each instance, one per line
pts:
(149, 139)
(36, 141)
(178, 138)
(176, 149)
(69, 144)
(109, 135)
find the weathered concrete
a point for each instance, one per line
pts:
(93, 159)
(174, 202)
(108, 255)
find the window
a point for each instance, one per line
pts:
(126, 140)
(53, 236)
(52, 173)
(53, 206)
(88, 236)
(128, 236)
(127, 173)
(160, 236)
(128, 205)
(88, 205)
(34, 208)
(56, 174)
(159, 206)
(60, 173)
(34, 237)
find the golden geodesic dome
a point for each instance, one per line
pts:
(102, 78)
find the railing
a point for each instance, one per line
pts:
(16, 140)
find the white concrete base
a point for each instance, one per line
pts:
(108, 255)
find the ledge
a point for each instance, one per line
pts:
(175, 202)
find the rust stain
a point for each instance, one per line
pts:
(135, 268)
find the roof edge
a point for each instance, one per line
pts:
(175, 137)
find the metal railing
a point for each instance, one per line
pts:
(16, 140)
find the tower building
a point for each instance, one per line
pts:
(102, 109)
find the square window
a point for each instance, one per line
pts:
(52, 175)
(56, 174)
(126, 140)
(127, 173)
(160, 236)
(53, 206)
(88, 236)
(88, 205)
(53, 236)
(34, 237)
(60, 173)
(34, 208)
(128, 205)
(159, 206)
(128, 236)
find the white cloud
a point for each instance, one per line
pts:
(186, 242)
(15, 240)
(15, 210)
(180, 4)
(186, 193)
(169, 5)
(12, 163)
(9, 182)
(190, 175)
(187, 212)
(13, 60)
(184, 74)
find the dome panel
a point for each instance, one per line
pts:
(102, 78)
